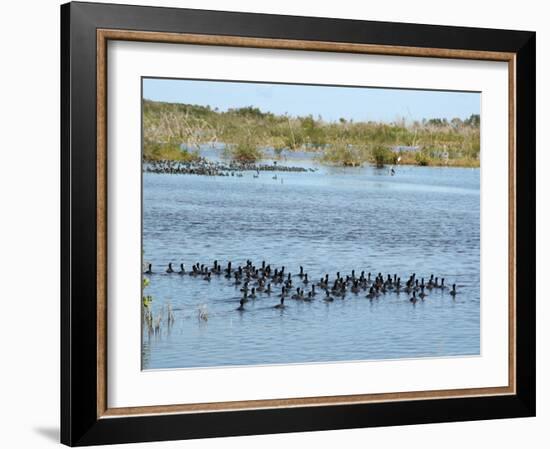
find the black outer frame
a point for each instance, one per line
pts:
(79, 422)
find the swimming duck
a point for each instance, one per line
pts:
(323, 283)
(388, 281)
(241, 306)
(398, 285)
(149, 269)
(431, 282)
(297, 295)
(237, 279)
(453, 291)
(288, 282)
(169, 269)
(228, 270)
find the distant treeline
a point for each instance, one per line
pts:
(167, 127)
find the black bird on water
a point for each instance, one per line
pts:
(170, 269)
(149, 269)
(241, 307)
(453, 291)
(371, 293)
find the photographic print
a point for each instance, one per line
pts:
(290, 223)
(294, 234)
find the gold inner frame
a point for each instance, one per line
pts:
(104, 35)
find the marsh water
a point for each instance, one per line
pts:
(423, 220)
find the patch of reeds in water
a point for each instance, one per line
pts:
(154, 322)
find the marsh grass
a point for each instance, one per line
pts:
(153, 151)
(422, 159)
(246, 130)
(345, 155)
(153, 322)
(382, 156)
(244, 152)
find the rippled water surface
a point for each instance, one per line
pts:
(423, 220)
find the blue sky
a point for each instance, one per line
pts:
(357, 103)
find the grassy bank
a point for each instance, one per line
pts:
(245, 131)
(155, 151)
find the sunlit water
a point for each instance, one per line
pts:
(422, 220)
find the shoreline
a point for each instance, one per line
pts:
(208, 167)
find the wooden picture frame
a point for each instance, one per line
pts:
(86, 29)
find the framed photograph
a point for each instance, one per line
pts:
(283, 224)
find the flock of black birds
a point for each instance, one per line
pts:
(212, 168)
(255, 281)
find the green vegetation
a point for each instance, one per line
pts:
(381, 156)
(153, 322)
(421, 159)
(167, 127)
(146, 299)
(245, 147)
(155, 151)
(245, 153)
(344, 154)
